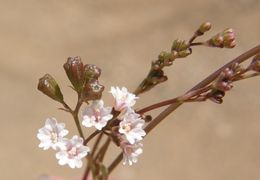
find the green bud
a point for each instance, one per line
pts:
(165, 59)
(179, 45)
(184, 53)
(49, 87)
(74, 71)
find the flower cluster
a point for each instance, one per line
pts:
(69, 151)
(130, 126)
(129, 129)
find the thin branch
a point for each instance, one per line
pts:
(243, 57)
(91, 136)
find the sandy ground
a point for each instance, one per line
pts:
(198, 142)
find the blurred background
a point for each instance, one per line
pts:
(197, 142)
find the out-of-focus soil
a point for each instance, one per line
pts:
(200, 141)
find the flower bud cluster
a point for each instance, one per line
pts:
(84, 78)
(130, 130)
(224, 82)
(224, 39)
(180, 49)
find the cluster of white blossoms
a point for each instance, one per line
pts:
(131, 125)
(130, 131)
(69, 151)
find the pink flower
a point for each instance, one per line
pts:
(123, 99)
(132, 127)
(72, 152)
(96, 115)
(52, 134)
(131, 152)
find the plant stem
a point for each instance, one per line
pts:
(115, 163)
(100, 155)
(90, 157)
(243, 57)
(91, 136)
(197, 44)
(205, 82)
(76, 118)
(180, 99)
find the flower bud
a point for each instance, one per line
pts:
(224, 39)
(74, 71)
(255, 64)
(165, 59)
(206, 26)
(217, 96)
(49, 87)
(91, 72)
(184, 53)
(229, 38)
(223, 86)
(179, 45)
(92, 90)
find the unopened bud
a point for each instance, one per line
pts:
(147, 118)
(74, 71)
(224, 39)
(91, 72)
(92, 90)
(49, 87)
(184, 53)
(255, 64)
(217, 96)
(223, 86)
(179, 45)
(206, 26)
(165, 59)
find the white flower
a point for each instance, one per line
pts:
(131, 152)
(96, 115)
(52, 134)
(72, 152)
(132, 127)
(123, 98)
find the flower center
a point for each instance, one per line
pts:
(72, 152)
(54, 137)
(127, 127)
(97, 113)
